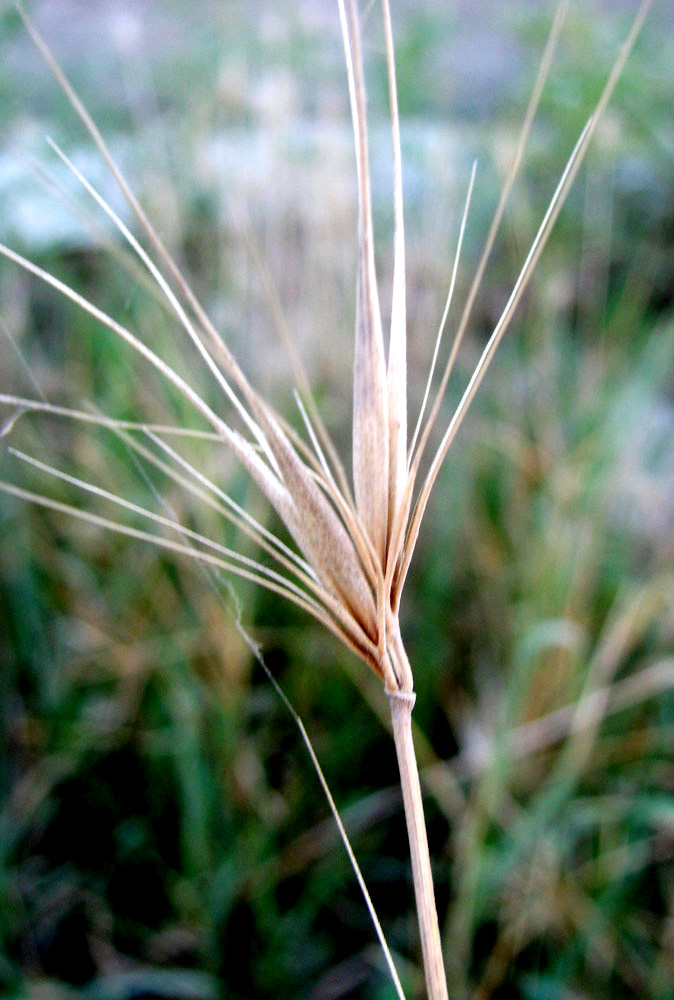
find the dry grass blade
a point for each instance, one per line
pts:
(497, 335)
(171, 298)
(445, 313)
(537, 247)
(99, 234)
(398, 527)
(397, 351)
(28, 405)
(233, 439)
(115, 526)
(229, 509)
(193, 536)
(356, 643)
(225, 354)
(532, 107)
(370, 394)
(270, 485)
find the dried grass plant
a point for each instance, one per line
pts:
(354, 535)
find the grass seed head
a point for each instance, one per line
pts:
(356, 547)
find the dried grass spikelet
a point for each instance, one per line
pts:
(354, 548)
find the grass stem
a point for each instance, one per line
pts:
(401, 704)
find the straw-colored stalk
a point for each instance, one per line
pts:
(353, 547)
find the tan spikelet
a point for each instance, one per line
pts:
(318, 530)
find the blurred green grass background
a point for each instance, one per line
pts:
(162, 833)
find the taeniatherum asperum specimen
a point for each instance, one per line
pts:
(355, 535)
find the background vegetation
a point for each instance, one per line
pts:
(162, 832)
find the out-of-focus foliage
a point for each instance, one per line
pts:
(162, 832)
